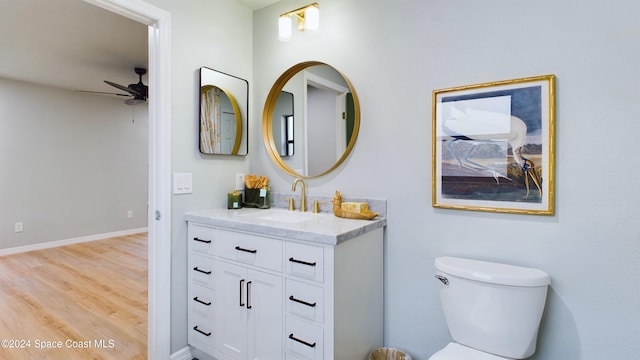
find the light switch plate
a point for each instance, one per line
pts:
(182, 183)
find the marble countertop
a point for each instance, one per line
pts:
(323, 228)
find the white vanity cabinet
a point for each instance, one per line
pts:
(248, 313)
(281, 297)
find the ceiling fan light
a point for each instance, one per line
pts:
(135, 101)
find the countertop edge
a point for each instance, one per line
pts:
(206, 217)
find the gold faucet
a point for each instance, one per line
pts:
(303, 198)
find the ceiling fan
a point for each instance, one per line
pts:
(139, 91)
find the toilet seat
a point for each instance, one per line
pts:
(454, 351)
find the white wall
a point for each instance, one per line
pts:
(396, 53)
(72, 164)
(216, 34)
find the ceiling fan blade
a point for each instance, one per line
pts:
(123, 88)
(102, 92)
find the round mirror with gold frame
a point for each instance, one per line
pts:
(322, 130)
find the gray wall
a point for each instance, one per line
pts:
(72, 164)
(396, 53)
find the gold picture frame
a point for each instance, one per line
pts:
(493, 146)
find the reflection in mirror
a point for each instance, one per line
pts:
(325, 125)
(223, 113)
(283, 125)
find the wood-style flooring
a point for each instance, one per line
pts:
(82, 301)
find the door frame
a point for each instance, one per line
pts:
(326, 85)
(159, 211)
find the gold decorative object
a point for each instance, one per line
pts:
(350, 214)
(256, 182)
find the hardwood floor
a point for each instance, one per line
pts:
(87, 301)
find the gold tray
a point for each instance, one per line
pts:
(348, 214)
(354, 214)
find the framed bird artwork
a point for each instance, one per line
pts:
(493, 146)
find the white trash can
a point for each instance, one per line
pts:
(387, 353)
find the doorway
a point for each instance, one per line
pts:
(159, 213)
(325, 123)
(157, 23)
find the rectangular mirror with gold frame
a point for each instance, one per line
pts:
(224, 102)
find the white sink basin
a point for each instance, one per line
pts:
(281, 216)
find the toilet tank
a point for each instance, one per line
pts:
(495, 308)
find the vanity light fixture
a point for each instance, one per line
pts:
(308, 19)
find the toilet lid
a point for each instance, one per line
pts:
(455, 351)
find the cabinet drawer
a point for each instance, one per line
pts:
(250, 249)
(304, 339)
(201, 239)
(201, 300)
(200, 333)
(304, 300)
(201, 269)
(305, 261)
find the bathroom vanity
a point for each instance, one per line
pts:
(277, 284)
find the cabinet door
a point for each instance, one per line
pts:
(249, 316)
(230, 335)
(265, 315)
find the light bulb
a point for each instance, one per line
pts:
(284, 28)
(311, 18)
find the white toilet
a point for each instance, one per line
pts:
(493, 311)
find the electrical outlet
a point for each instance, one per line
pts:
(18, 227)
(240, 181)
(129, 214)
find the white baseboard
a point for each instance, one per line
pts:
(182, 354)
(52, 244)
